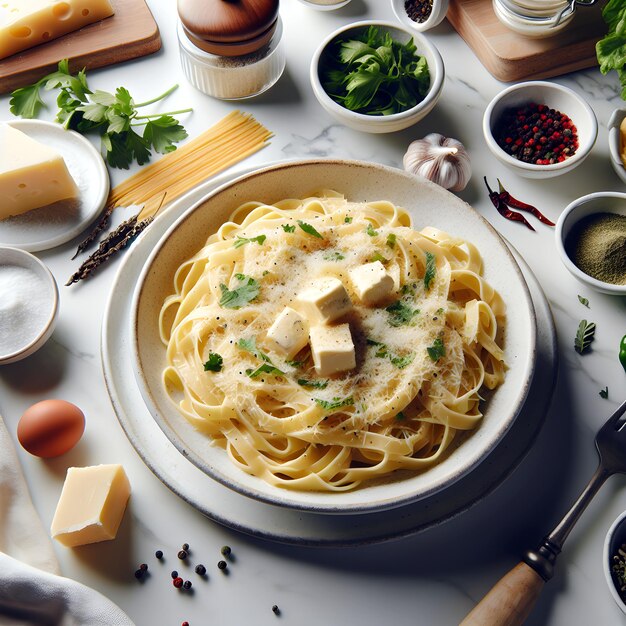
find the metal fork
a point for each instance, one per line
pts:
(511, 600)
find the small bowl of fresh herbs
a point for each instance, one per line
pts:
(377, 77)
(614, 560)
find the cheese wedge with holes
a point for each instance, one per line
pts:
(28, 23)
(32, 175)
(91, 505)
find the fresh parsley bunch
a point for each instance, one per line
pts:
(113, 116)
(374, 74)
(611, 50)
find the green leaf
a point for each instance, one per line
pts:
(118, 153)
(362, 87)
(103, 97)
(353, 50)
(246, 291)
(335, 403)
(604, 393)
(584, 336)
(93, 112)
(347, 220)
(314, 384)
(288, 228)
(402, 361)
(437, 350)
(163, 132)
(431, 269)
(215, 362)
(377, 256)
(391, 240)
(26, 102)
(401, 313)
(242, 241)
(334, 256)
(370, 230)
(307, 228)
(264, 368)
(583, 301)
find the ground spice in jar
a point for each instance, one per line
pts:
(418, 10)
(597, 245)
(535, 133)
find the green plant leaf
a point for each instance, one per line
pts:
(215, 362)
(246, 291)
(309, 230)
(437, 350)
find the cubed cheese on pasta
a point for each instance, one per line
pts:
(325, 301)
(332, 349)
(288, 334)
(371, 282)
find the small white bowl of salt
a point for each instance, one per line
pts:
(29, 302)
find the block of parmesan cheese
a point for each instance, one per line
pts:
(91, 505)
(28, 23)
(32, 175)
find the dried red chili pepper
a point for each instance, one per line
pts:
(514, 216)
(510, 201)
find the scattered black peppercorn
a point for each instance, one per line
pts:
(276, 610)
(222, 565)
(159, 554)
(143, 567)
(187, 584)
(138, 574)
(201, 570)
(182, 555)
(226, 550)
(177, 582)
(174, 574)
(186, 547)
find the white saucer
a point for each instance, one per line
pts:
(49, 227)
(279, 524)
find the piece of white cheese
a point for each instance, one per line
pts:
(91, 505)
(289, 333)
(325, 301)
(332, 349)
(28, 23)
(32, 175)
(372, 282)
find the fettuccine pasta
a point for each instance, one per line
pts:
(423, 355)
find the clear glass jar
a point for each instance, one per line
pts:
(325, 5)
(537, 18)
(233, 77)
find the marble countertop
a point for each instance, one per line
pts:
(433, 578)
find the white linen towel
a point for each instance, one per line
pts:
(31, 591)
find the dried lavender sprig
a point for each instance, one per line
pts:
(98, 228)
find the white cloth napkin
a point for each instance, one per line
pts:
(31, 591)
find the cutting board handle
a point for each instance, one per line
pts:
(510, 601)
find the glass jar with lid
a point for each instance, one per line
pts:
(231, 49)
(537, 18)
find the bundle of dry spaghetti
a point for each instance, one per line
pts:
(232, 139)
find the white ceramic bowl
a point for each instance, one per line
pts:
(615, 143)
(556, 97)
(615, 538)
(437, 15)
(428, 204)
(325, 5)
(381, 123)
(15, 257)
(600, 202)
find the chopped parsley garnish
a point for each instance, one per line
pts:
(371, 231)
(391, 240)
(583, 301)
(347, 220)
(247, 290)
(604, 393)
(377, 256)
(431, 269)
(313, 384)
(383, 353)
(437, 350)
(242, 241)
(335, 403)
(402, 361)
(294, 363)
(408, 289)
(309, 230)
(289, 228)
(334, 256)
(215, 362)
(401, 314)
(264, 368)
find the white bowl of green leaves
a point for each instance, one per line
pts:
(377, 77)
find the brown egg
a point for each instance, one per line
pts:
(50, 428)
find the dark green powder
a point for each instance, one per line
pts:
(597, 245)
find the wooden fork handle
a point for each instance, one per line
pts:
(510, 601)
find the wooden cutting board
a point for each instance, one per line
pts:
(512, 57)
(130, 33)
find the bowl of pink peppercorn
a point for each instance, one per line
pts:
(539, 129)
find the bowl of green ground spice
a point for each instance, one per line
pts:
(591, 241)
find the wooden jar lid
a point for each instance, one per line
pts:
(229, 27)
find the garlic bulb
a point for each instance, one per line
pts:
(440, 159)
